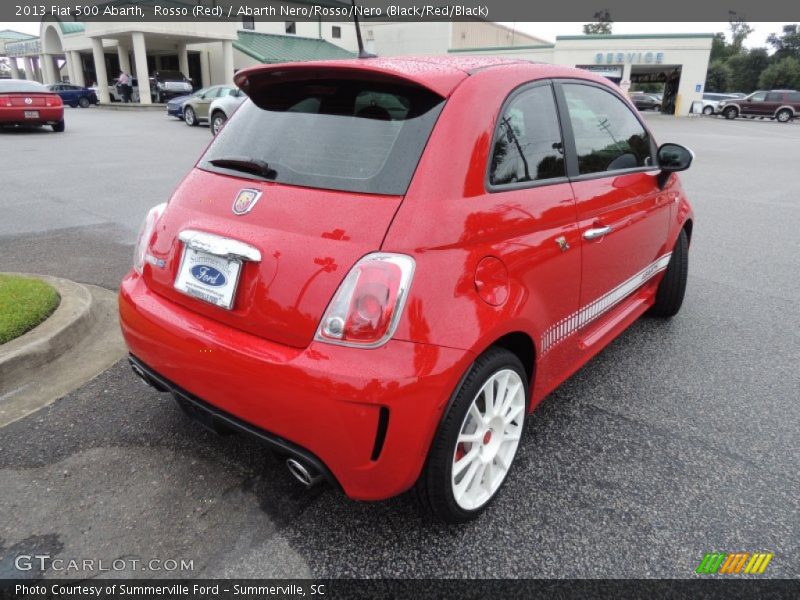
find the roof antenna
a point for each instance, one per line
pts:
(361, 52)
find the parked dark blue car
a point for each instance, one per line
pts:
(74, 95)
(175, 106)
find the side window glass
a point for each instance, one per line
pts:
(528, 144)
(608, 137)
(774, 97)
(758, 97)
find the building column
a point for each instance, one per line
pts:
(183, 59)
(12, 62)
(625, 82)
(100, 71)
(37, 70)
(46, 68)
(77, 68)
(205, 69)
(124, 58)
(142, 74)
(70, 69)
(30, 72)
(227, 62)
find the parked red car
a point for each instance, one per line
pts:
(24, 102)
(381, 266)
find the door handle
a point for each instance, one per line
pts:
(597, 232)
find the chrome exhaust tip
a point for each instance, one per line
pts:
(305, 474)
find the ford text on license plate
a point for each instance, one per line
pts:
(208, 277)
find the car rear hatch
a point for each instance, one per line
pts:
(308, 174)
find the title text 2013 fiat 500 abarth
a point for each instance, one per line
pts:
(381, 266)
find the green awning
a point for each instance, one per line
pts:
(9, 34)
(273, 48)
(71, 27)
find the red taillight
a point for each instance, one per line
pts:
(367, 306)
(5, 101)
(53, 101)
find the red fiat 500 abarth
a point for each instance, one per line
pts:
(381, 266)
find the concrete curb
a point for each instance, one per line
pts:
(22, 357)
(133, 107)
(76, 343)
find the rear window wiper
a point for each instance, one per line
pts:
(246, 165)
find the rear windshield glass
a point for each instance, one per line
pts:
(356, 136)
(17, 85)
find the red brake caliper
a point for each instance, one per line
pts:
(460, 451)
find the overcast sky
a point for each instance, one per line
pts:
(549, 31)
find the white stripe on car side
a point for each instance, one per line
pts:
(564, 328)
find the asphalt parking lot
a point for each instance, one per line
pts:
(681, 438)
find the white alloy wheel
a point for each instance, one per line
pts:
(488, 439)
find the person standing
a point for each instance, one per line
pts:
(125, 88)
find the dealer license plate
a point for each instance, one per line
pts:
(208, 277)
(31, 114)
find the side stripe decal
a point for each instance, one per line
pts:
(564, 328)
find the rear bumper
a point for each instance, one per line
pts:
(15, 115)
(221, 422)
(324, 403)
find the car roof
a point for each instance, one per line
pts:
(440, 74)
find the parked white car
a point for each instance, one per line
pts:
(711, 102)
(114, 93)
(223, 107)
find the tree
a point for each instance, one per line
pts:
(720, 48)
(601, 25)
(739, 31)
(787, 44)
(746, 68)
(647, 88)
(783, 74)
(718, 77)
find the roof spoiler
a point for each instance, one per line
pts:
(254, 80)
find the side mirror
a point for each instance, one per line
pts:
(672, 158)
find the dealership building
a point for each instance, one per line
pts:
(677, 63)
(211, 52)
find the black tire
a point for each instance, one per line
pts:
(189, 116)
(708, 110)
(59, 127)
(672, 288)
(217, 121)
(730, 112)
(433, 491)
(84, 102)
(784, 115)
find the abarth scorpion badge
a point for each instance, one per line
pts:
(245, 201)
